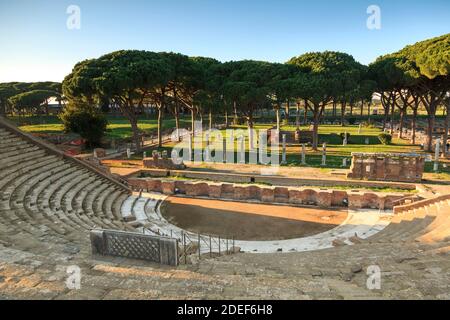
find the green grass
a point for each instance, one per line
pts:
(119, 129)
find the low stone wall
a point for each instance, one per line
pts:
(261, 179)
(420, 204)
(324, 198)
(162, 163)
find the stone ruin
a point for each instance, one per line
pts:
(402, 167)
(297, 136)
(160, 160)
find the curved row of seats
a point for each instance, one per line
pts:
(45, 195)
(428, 224)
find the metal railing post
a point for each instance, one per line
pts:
(234, 247)
(199, 252)
(210, 247)
(219, 245)
(184, 245)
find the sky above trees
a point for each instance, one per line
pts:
(38, 46)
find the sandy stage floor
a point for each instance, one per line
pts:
(249, 221)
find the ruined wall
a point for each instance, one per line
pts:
(289, 195)
(387, 167)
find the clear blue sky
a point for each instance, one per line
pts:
(36, 45)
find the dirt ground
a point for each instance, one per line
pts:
(249, 221)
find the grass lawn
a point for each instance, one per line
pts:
(118, 127)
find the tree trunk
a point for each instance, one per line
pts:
(160, 117)
(305, 115)
(446, 124)
(297, 116)
(429, 142)
(386, 107)
(351, 109)
(177, 122)
(343, 106)
(210, 119)
(414, 119)
(386, 116)
(136, 135)
(250, 120)
(286, 113)
(235, 120)
(334, 109)
(316, 120)
(226, 118)
(277, 113)
(193, 121)
(392, 115)
(362, 107)
(46, 107)
(315, 132)
(402, 118)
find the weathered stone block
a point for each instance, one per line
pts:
(227, 191)
(370, 200)
(355, 200)
(168, 187)
(180, 187)
(100, 152)
(137, 184)
(154, 185)
(241, 193)
(267, 195)
(215, 190)
(338, 198)
(295, 196)
(254, 192)
(281, 194)
(197, 189)
(309, 196)
(324, 198)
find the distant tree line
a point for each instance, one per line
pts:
(28, 97)
(173, 83)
